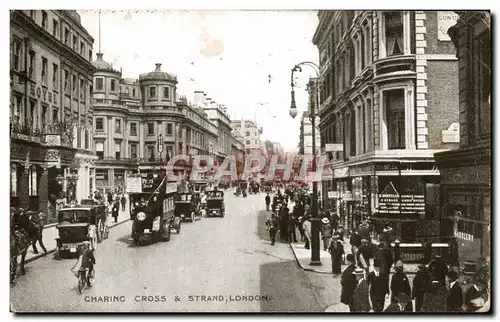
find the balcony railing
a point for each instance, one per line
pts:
(55, 134)
(136, 161)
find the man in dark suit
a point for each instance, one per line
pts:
(400, 283)
(384, 256)
(401, 305)
(355, 242)
(439, 268)
(348, 282)
(421, 282)
(360, 301)
(379, 288)
(455, 296)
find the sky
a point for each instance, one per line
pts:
(241, 59)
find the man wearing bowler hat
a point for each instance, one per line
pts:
(401, 304)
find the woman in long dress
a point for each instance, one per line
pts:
(336, 251)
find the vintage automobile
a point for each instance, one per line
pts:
(77, 224)
(152, 214)
(200, 186)
(254, 188)
(215, 203)
(186, 207)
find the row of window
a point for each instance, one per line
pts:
(358, 54)
(99, 126)
(73, 84)
(133, 151)
(248, 142)
(99, 86)
(199, 120)
(69, 40)
(29, 115)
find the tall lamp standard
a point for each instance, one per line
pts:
(160, 147)
(315, 220)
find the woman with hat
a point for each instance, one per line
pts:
(399, 283)
(326, 232)
(336, 250)
(402, 304)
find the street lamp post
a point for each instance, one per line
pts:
(315, 220)
(160, 146)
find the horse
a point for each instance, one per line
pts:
(19, 244)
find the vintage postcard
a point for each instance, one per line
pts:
(250, 161)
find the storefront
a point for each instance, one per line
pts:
(466, 199)
(387, 193)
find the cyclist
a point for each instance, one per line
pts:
(87, 259)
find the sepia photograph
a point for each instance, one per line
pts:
(250, 161)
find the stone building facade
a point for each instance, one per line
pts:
(50, 112)
(250, 132)
(465, 191)
(390, 98)
(218, 115)
(141, 123)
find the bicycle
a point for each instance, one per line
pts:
(84, 279)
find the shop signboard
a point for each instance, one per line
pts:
(333, 194)
(133, 184)
(347, 196)
(391, 202)
(334, 147)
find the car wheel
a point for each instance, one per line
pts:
(179, 228)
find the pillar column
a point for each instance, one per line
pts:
(24, 199)
(43, 190)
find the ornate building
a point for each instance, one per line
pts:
(390, 99)
(50, 113)
(140, 124)
(217, 114)
(251, 133)
(465, 192)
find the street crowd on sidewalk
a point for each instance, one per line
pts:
(374, 272)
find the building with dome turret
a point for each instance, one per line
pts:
(139, 124)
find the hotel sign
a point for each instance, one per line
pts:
(446, 19)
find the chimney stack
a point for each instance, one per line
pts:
(199, 98)
(158, 67)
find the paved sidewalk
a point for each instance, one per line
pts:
(303, 257)
(49, 235)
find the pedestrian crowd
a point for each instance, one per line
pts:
(376, 273)
(368, 281)
(114, 201)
